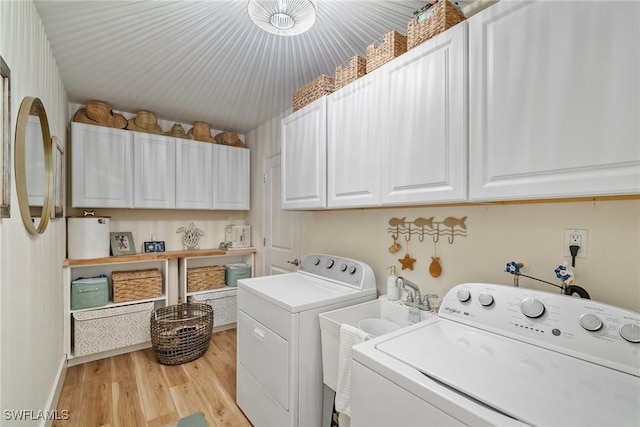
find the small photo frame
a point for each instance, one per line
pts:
(122, 243)
(154, 246)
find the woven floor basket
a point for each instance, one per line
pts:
(353, 70)
(392, 45)
(181, 333)
(319, 87)
(205, 278)
(136, 284)
(445, 15)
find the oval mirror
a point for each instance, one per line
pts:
(33, 165)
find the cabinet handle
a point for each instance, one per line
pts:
(295, 262)
(259, 333)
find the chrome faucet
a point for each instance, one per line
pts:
(414, 299)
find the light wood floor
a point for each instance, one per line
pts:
(135, 390)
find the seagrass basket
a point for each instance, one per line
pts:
(205, 278)
(181, 333)
(353, 70)
(317, 88)
(391, 45)
(444, 15)
(136, 284)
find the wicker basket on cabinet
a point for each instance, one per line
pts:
(444, 16)
(136, 284)
(319, 87)
(391, 45)
(353, 70)
(205, 278)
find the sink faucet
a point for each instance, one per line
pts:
(414, 298)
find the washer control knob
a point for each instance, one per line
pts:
(343, 267)
(330, 263)
(485, 300)
(590, 322)
(463, 295)
(316, 261)
(630, 332)
(352, 269)
(532, 308)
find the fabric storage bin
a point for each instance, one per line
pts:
(106, 329)
(136, 284)
(224, 304)
(89, 292)
(205, 278)
(235, 272)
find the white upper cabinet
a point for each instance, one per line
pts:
(353, 145)
(304, 157)
(194, 174)
(554, 100)
(423, 122)
(231, 184)
(154, 170)
(102, 167)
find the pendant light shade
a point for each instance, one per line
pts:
(283, 17)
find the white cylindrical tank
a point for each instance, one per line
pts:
(87, 237)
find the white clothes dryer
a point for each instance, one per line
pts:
(498, 355)
(279, 369)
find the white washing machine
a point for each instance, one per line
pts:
(498, 355)
(279, 369)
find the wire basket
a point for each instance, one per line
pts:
(181, 333)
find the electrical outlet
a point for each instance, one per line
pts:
(578, 238)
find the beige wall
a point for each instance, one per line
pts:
(31, 313)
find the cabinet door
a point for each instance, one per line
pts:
(231, 177)
(353, 145)
(101, 167)
(154, 172)
(194, 174)
(554, 100)
(304, 157)
(423, 114)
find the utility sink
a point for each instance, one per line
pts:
(375, 318)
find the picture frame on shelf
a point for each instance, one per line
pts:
(122, 243)
(155, 246)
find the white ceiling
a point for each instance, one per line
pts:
(205, 60)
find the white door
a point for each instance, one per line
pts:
(282, 229)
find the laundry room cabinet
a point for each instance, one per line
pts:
(154, 172)
(397, 136)
(423, 120)
(554, 100)
(117, 168)
(101, 167)
(304, 157)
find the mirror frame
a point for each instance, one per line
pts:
(20, 165)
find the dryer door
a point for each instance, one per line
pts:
(265, 355)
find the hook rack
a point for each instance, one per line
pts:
(421, 227)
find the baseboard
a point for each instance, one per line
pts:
(56, 391)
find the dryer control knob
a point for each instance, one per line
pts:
(590, 322)
(532, 308)
(352, 269)
(630, 332)
(485, 300)
(343, 267)
(463, 295)
(330, 263)
(316, 261)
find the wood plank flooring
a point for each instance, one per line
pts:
(133, 389)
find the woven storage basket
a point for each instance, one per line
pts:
(136, 284)
(319, 87)
(445, 15)
(205, 278)
(181, 333)
(392, 45)
(354, 69)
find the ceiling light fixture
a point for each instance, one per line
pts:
(283, 17)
